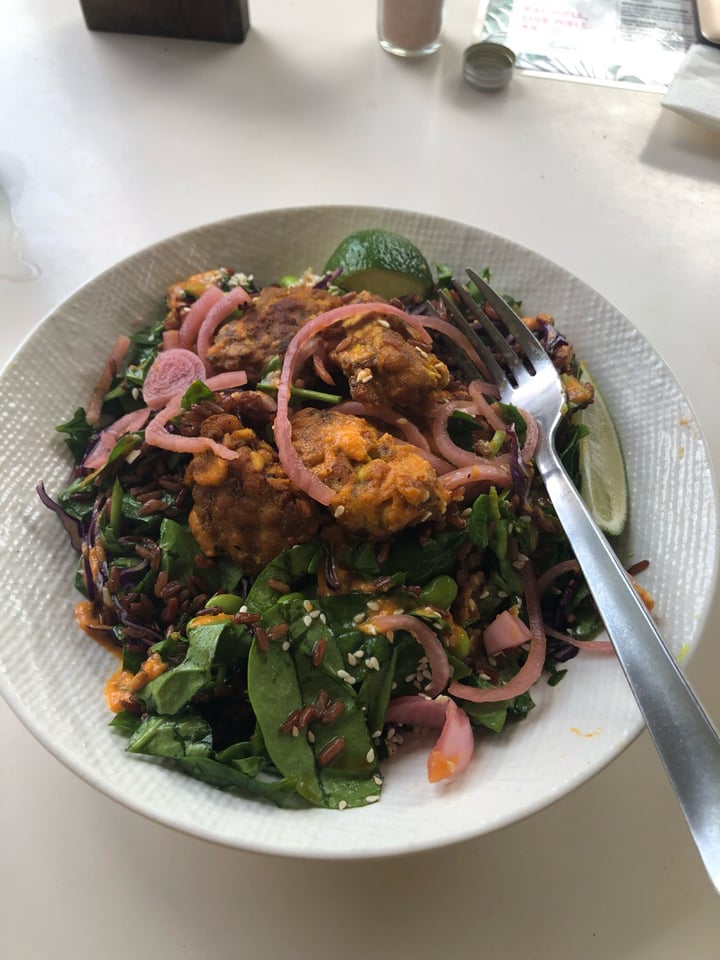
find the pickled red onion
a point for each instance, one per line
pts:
(453, 751)
(428, 640)
(530, 671)
(196, 314)
(218, 312)
(296, 470)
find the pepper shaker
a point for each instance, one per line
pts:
(410, 28)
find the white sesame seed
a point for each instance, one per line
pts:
(390, 634)
(310, 736)
(339, 511)
(409, 678)
(373, 798)
(398, 611)
(358, 618)
(307, 620)
(371, 630)
(370, 755)
(402, 421)
(373, 605)
(308, 606)
(372, 663)
(243, 609)
(378, 780)
(359, 654)
(295, 732)
(377, 735)
(314, 614)
(384, 323)
(352, 659)
(393, 685)
(286, 645)
(344, 675)
(342, 805)
(323, 618)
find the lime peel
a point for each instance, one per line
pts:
(382, 262)
(603, 477)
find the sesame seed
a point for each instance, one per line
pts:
(373, 605)
(342, 805)
(421, 352)
(364, 376)
(373, 798)
(286, 645)
(308, 606)
(409, 678)
(359, 654)
(372, 663)
(344, 675)
(307, 620)
(378, 779)
(384, 323)
(310, 736)
(352, 659)
(323, 618)
(377, 735)
(370, 755)
(402, 421)
(358, 618)
(295, 732)
(339, 511)
(371, 630)
(243, 609)
(390, 634)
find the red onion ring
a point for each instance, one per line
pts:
(428, 640)
(531, 670)
(196, 314)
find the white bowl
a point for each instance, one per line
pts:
(53, 676)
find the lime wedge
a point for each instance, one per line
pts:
(382, 262)
(603, 479)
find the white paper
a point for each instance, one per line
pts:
(695, 91)
(636, 43)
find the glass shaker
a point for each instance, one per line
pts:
(410, 28)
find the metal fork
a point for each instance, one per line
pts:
(684, 737)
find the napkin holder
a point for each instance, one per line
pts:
(223, 21)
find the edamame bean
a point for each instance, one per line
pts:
(440, 592)
(229, 603)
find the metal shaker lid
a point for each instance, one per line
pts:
(488, 66)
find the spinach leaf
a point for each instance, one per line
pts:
(227, 776)
(184, 736)
(424, 561)
(210, 645)
(77, 434)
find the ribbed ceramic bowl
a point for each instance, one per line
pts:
(53, 676)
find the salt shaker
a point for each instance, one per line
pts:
(410, 28)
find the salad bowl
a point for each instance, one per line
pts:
(53, 675)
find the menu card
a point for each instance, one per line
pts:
(635, 43)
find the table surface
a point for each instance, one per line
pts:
(111, 142)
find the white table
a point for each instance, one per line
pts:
(112, 142)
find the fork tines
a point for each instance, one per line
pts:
(533, 352)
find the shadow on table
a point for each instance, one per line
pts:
(679, 145)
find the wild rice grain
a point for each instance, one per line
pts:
(331, 751)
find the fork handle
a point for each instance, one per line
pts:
(684, 737)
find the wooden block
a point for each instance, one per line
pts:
(224, 21)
